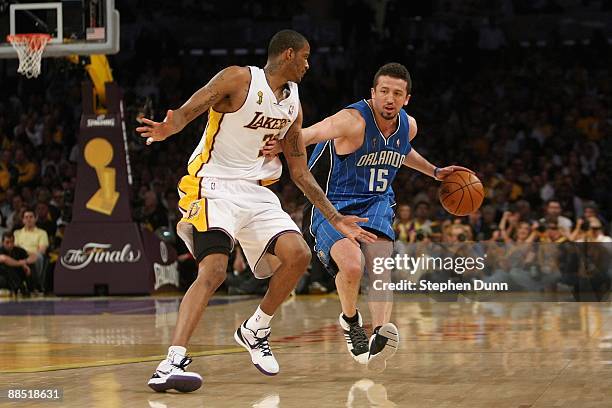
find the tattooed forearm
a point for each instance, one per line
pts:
(294, 146)
(296, 149)
(202, 102)
(315, 195)
(207, 96)
(295, 153)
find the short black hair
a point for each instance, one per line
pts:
(422, 202)
(284, 40)
(8, 234)
(394, 70)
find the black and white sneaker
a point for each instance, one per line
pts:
(356, 339)
(171, 374)
(256, 343)
(383, 345)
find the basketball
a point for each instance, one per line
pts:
(461, 193)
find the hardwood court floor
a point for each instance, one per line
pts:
(101, 352)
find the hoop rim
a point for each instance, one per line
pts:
(11, 37)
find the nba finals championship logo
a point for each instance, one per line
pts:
(98, 253)
(99, 154)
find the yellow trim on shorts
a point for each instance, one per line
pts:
(268, 182)
(189, 190)
(197, 214)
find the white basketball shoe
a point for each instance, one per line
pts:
(383, 345)
(256, 343)
(356, 339)
(171, 374)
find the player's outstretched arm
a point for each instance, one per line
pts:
(346, 123)
(415, 161)
(220, 86)
(295, 153)
(341, 124)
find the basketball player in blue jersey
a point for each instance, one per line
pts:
(359, 151)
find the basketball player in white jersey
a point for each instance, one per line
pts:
(223, 198)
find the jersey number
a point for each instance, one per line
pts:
(378, 181)
(265, 140)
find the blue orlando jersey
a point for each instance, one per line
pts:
(368, 172)
(358, 183)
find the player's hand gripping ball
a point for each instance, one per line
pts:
(461, 193)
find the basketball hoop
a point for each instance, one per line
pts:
(29, 48)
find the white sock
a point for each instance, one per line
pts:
(176, 351)
(259, 320)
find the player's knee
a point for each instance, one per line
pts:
(212, 274)
(298, 257)
(351, 271)
(303, 256)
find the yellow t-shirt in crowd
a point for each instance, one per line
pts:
(27, 172)
(31, 240)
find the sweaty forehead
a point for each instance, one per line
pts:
(391, 83)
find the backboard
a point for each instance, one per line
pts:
(81, 27)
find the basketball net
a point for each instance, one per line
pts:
(29, 49)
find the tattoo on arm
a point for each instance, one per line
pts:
(293, 138)
(205, 97)
(316, 196)
(205, 104)
(296, 158)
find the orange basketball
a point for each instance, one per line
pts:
(461, 193)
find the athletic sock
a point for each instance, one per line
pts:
(176, 353)
(259, 320)
(352, 319)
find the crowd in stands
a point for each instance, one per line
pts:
(533, 123)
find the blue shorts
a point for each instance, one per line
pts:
(380, 215)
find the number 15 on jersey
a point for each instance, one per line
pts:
(378, 180)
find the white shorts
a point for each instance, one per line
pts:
(247, 212)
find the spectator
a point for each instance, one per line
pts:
(404, 224)
(173, 213)
(589, 230)
(592, 210)
(35, 241)
(553, 233)
(524, 210)
(8, 173)
(13, 265)
(44, 220)
(421, 216)
(489, 226)
(26, 168)
(152, 214)
(15, 214)
(553, 215)
(508, 225)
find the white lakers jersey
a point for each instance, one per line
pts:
(231, 145)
